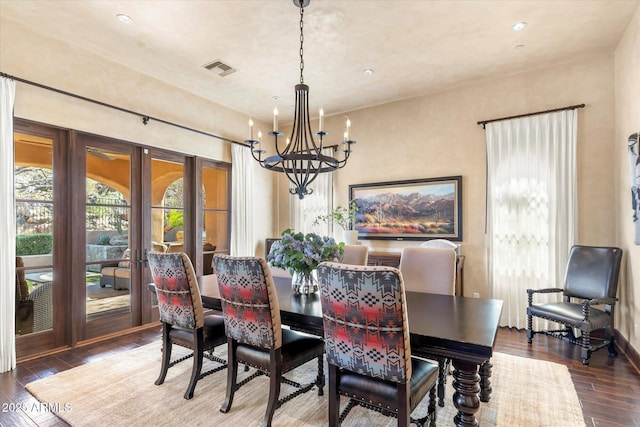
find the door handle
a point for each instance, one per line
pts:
(142, 261)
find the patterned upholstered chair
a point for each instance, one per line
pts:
(367, 344)
(255, 336)
(182, 316)
(591, 280)
(431, 270)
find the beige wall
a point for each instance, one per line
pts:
(627, 121)
(424, 137)
(438, 135)
(27, 55)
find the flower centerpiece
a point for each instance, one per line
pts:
(300, 254)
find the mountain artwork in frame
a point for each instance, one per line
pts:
(419, 209)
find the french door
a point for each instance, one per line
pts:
(41, 206)
(106, 271)
(88, 210)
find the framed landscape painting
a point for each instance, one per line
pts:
(419, 209)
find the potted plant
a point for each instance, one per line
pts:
(344, 217)
(300, 254)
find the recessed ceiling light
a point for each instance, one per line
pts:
(519, 26)
(368, 71)
(124, 18)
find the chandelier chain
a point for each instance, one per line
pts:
(301, 43)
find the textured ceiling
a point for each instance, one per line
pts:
(415, 47)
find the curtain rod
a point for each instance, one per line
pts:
(572, 107)
(145, 118)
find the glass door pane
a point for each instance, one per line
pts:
(167, 206)
(167, 211)
(215, 208)
(215, 214)
(34, 197)
(108, 253)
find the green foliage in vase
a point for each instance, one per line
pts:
(341, 215)
(299, 252)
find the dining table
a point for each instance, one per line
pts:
(461, 329)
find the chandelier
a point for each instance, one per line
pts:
(300, 158)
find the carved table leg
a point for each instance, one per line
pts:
(466, 383)
(485, 383)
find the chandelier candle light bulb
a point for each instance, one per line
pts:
(250, 129)
(275, 119)
(348, 128)
(320, 120)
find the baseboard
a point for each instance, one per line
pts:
(631, 353)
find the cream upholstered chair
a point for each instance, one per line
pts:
(431, 270)
(440, 243)
(367, 344)
(355, 255)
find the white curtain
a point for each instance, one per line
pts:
(7, 229)
(242, 195)
(531, 207)
(320, 202)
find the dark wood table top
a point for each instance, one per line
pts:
(455, 327)
(459, 328)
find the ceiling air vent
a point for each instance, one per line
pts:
(220, 68)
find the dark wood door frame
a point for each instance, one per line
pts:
(69, 247)
(57, 337)
(83, 328)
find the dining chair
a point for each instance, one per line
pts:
(42, 298)
(175, 247)
(591, 280)
(440, 243)
(24, 306)
(431, 270)
(207, 258)
(355, 254)
(367, 344)
(255, 335)
(159, 247)
(182, 315)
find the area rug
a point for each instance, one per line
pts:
(119, 390)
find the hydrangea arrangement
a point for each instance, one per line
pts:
(299, 252)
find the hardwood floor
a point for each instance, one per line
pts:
(608, 389)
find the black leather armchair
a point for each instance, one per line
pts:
(591, 281)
